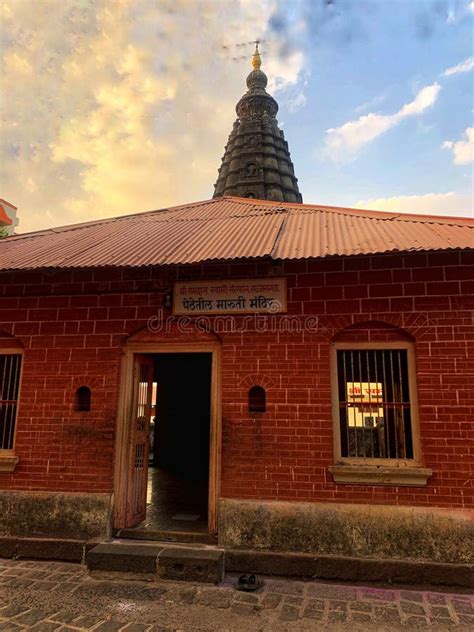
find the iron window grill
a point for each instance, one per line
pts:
(375, 413)
(10, 368)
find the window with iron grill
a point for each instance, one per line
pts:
(10, 367)
(375, 414)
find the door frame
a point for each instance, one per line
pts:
(124, 419)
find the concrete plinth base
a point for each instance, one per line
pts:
(61, 515)
(304, 566)
(44, 549)
(361, 531)
(147, 561)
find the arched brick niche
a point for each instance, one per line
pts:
(83, 399)
(257, 379)
(257, 399)
(255, 389)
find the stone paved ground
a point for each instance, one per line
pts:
(46, 596)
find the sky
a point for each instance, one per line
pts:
(112, 107)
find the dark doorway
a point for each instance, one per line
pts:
(178, 473)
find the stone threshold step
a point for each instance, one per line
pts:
(165, 536)
(156, 561)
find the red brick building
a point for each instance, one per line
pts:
(305, 372)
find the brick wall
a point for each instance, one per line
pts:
(74, 323)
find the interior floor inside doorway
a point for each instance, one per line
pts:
(174, 504)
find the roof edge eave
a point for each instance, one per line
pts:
(263, 258)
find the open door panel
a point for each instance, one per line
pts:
(143, 370)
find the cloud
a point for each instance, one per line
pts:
(297, 102)
(343, 142)
(452, 204)
(120, 106)
(371, 103)
(463, 150)
(283, 72)
(465, 66)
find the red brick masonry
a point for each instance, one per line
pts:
(74, 323)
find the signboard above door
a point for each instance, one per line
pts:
(236, 296)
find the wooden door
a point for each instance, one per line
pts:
(143, 370)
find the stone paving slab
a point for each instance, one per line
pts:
(61, 597)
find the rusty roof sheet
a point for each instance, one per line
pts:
(232, 228)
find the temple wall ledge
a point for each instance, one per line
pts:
(379, 474)
(8, 461)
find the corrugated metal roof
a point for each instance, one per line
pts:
(232, 228)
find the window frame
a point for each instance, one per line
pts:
(8, 458)
(412, 390)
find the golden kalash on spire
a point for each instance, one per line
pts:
(256, 59)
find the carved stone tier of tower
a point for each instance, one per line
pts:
(256, 162)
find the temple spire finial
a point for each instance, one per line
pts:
(256, 161)
(256, 59)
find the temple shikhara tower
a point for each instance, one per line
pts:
(257, 162)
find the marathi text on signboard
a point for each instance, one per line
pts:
(245, 296)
